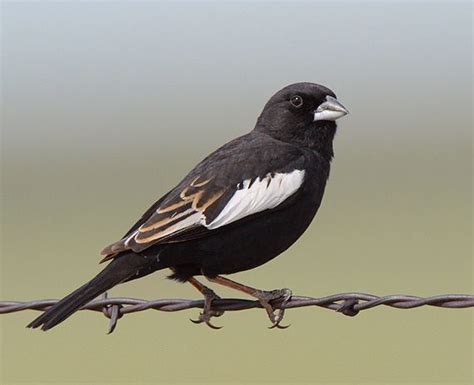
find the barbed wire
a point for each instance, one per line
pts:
(349, 304)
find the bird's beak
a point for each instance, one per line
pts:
(331, 109)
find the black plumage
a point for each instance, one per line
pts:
(243, 205)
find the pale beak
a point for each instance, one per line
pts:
(331, 109)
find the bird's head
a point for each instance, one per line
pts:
(304, 114)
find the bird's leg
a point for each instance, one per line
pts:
(264, 297)
(207, 312)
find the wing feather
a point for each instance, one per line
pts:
(177, 214)
(258, 195)
(236, 181)
(189, 209)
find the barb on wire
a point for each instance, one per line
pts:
(349, 304)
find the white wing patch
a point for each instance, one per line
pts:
(262, 194)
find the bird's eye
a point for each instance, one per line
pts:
(296, 101)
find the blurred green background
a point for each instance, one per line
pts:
(106, 105)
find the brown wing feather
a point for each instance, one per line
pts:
(183, 213)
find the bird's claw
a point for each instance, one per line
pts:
(207, 313)
(281, 296)
(206, 318)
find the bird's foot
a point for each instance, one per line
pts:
(269, 298)
(207, 313)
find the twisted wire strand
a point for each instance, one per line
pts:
(349, 304)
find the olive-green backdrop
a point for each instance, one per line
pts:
(107, 104)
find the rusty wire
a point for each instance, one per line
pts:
(349, 304)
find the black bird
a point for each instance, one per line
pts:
(243, 205)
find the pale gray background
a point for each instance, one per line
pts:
(107, 104)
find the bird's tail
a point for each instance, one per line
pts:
(119, 270)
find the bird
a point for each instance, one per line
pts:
(241, 206)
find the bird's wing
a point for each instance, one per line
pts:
(227, 186)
